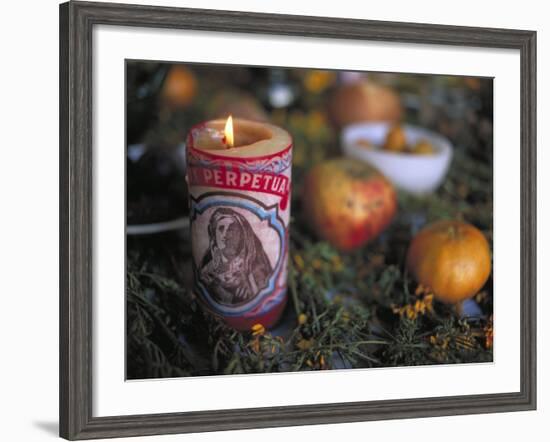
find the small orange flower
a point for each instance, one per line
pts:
(258, 330)
(411, 314)
(316, 81)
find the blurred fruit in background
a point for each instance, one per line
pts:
(238, 103)
(179, 88)
(348, 203)
(363, 100)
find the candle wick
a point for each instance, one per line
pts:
(226, 142)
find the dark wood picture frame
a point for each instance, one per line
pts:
(77, 20)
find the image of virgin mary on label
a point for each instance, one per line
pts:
(235, 267)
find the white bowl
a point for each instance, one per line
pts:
(414, 173)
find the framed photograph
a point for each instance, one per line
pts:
(272, 220)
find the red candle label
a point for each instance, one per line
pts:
(239, 232)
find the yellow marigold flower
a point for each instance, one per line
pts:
(429, 308)
(302, 318)
(304, 344)
(411, 314)
(299, 261)
(466, 342)
(258, 330)
(317, 264)
(317, 80)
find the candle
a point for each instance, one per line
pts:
(239, 184)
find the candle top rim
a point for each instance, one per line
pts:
(277, 141)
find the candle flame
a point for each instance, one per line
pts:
(228, 132)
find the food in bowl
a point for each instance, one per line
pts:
(423, 147)
(419, 168)
(396, 140)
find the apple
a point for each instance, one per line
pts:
(364, 101)
(347, 202)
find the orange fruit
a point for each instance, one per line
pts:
(396, 141)
(423, 147)
(452, 258)
(179, 88)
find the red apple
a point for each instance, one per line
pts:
(364, 101)
(347, 202)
